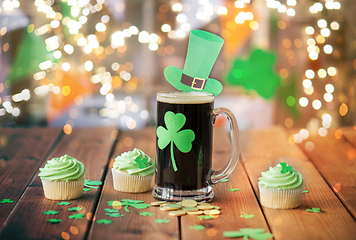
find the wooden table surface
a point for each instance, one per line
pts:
(328, 165)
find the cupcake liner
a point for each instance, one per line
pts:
(125, 182)
(62, 190)
(280, 199)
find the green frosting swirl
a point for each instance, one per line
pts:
(65, 168)
(274, 178)
(135, 162)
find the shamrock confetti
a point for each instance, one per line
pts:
(286, 168)
(86, 189)
(146, 214)
(49, 212)
(114, 214)
(201, 217)
(75, 209)
(52, 220)
(5, 200)
(247, 216)
(138, 204)
(104, 221)
(76, 216)
(181, 139)
(165, 220)
(254, 233)
(316, 210)
(197, 227)
(305, 191)
(234, 189)
(91, 184)
(109, 210)
(142, 163)
(64, 203)
(264, 81)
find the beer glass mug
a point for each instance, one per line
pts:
(184, 137)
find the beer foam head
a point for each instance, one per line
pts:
(185, 97)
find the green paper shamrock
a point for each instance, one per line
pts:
(75, 209)
(91, 184)
(305, 191)
(49, 212)
(201, 217)
(254, 233)
(256, 73)
(138, 204)
(104, 221)
(109, 210)
(286, 168)
(114, 214)
(5, 200)
(316, 210)
(64, 203)
(197, 227)
(86, 189)
(52, 220)
(165, 220)
(110, 203)
(146, 214)
(182, 139)
(247, 216)
(234, 189)
(76, 216)
(141, 162)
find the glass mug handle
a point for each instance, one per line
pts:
(218, 176)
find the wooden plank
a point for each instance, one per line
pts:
(27, 221)
(335, 159)
(264, 148)
(21, 153)
(232, 204)
(132, 225)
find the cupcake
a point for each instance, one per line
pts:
(281, 187)
(62, 178)
(132, 172)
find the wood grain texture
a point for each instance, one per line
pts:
(264, 148)
(132, 225)
(27, 221)
(335, 159)
(22, 151)
(232, 204)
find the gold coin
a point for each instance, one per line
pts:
(212, 212)
(190, 209)
(177, 213)
(195, 213)
(216, 207)
(158, 203)
(189, 203)
(167, 203)
(172, 206)
(205, 207)
(203, 203)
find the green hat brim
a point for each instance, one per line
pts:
(174, 75)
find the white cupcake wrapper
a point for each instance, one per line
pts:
(125, 182)
(62, 190)
(280, 199)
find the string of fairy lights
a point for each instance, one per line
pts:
(120, 74)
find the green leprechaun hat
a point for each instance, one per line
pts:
(203, 49)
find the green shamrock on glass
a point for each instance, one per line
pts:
(173, 135)
(184, 146)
